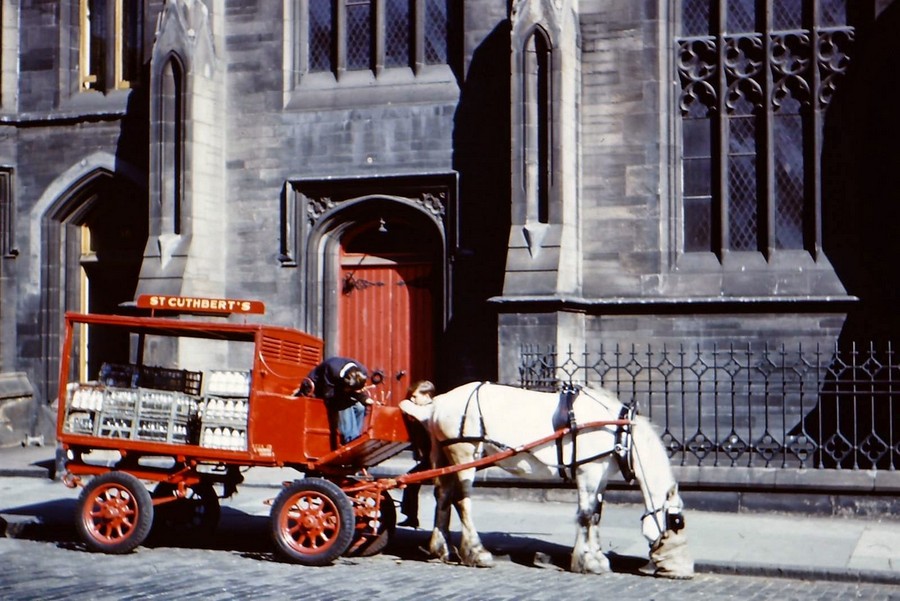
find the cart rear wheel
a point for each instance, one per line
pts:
(367, 543)
(115, 513)
(197, 514)
(312, 521)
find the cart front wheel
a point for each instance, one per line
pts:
(312, 521)
(115, 513)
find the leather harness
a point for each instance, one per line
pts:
(563, 417)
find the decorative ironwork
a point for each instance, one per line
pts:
(351, 283)
(751, 405)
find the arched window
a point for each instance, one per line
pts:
(171, 146)
(536, 123)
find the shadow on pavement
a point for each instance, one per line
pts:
(250, 536)
(412, 545)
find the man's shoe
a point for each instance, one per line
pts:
(409, 523)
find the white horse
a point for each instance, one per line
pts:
(477, 420)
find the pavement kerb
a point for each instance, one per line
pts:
(797, 572)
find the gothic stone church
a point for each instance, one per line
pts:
(432, 186)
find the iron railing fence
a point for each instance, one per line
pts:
(747, 405)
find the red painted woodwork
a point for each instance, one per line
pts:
(281, 429)
(386, 320)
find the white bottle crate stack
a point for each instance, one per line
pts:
(225, 410)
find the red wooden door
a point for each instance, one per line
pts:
(386, 319)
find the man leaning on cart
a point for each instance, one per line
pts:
(341, 383)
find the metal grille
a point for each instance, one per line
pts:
(749, 405)
(396, 33)
(436, 32)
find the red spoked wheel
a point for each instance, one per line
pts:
(312, 521)
(115, 513)
(375, 526)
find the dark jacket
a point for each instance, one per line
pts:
(326, 377)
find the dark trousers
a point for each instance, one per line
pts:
(409, 503)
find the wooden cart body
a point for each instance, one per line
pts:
(190, 432)
(270, 427)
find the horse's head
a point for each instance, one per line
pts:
(669, 554)
(668, 517)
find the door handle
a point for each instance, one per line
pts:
(399, 375)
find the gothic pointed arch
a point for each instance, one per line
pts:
(93, 229)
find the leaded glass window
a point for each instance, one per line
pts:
(436, 32)
(359, 35)
(754, 84)
(397, 33)
(321, 36)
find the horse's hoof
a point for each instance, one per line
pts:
(672, 576)
(592, 565)
(479, 559)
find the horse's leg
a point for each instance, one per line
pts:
(444, 491)
(471, 551)
(587, 554)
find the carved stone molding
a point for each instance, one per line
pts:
(433, 203)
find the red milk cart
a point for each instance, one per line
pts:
(191, 429)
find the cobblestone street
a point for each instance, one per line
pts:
(239, 564)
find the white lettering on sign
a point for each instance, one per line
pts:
(192, 303)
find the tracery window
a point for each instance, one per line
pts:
(755, 79)
(360, 35)
(110, 44)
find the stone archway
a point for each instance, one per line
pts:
(399, 247)
(92, 240)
